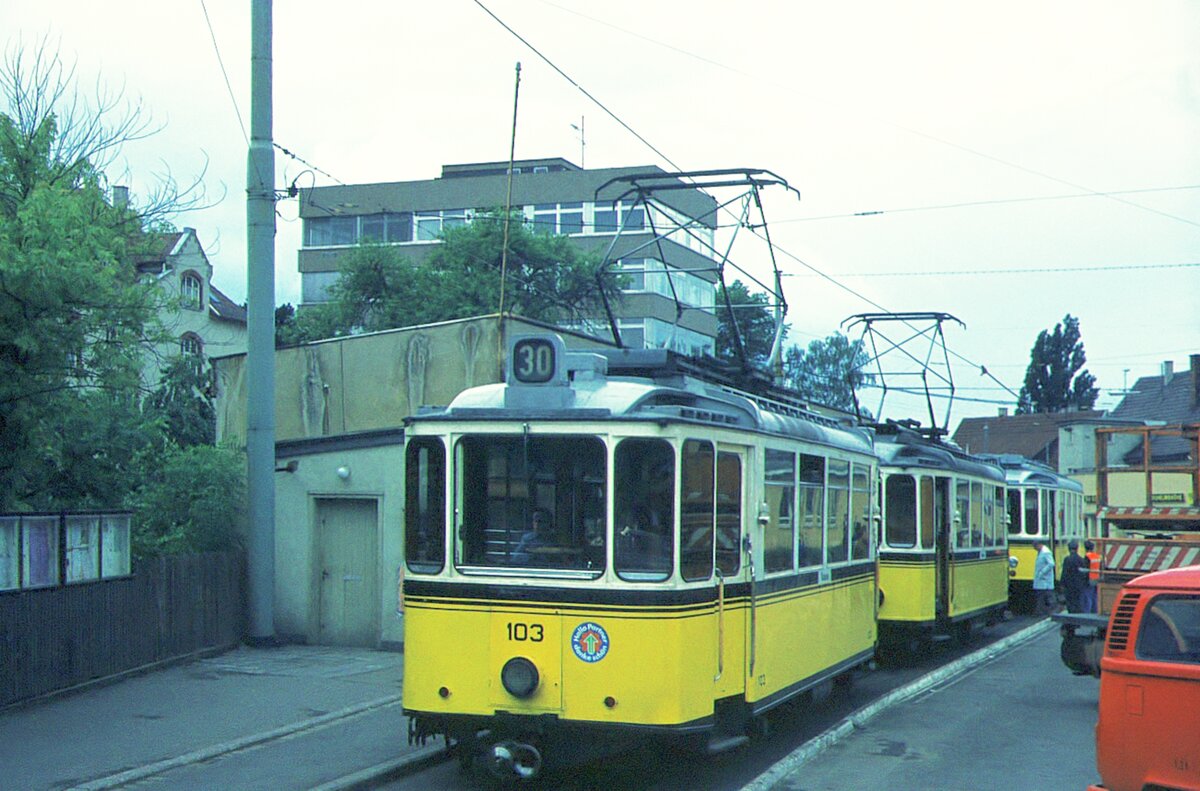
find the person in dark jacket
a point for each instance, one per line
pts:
(1074, 577)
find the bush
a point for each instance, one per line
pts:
(189, 500)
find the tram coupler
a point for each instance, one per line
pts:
(1082, 641)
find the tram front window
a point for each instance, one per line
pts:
(531, 502)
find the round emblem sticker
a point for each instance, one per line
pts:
(589, 641)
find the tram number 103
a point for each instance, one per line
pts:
(533, 360)
(525, 632)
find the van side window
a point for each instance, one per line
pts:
(1170, 630)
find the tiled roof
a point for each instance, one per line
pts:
(159, 247)
(225, 308)
(1032, 436)
(1172, 402)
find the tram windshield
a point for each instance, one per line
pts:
(531, 502)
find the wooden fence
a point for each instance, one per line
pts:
(169, 607)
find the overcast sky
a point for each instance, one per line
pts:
(979, 136)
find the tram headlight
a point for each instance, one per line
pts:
(520, 677)
(1012, 561)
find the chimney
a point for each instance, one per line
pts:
(1168, 370)
(1004, 409)
(120, 197)
(1195, 368)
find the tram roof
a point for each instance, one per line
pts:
(683, 399)
(1021, 471)
(905, 452)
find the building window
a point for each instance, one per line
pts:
(608, 217)
(558, 218)
(432, 224)
(191, 290)
(649, 275)
(348, 230)
(191, 344)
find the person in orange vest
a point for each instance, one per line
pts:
(1088, 598)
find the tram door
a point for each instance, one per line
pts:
(943, 518)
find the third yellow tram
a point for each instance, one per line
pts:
(943, 550)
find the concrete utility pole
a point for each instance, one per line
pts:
(260, 357)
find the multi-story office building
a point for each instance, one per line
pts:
(671, 292)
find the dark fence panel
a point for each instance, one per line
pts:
(169, 607)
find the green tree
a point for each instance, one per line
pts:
(1056, 380)
(74, 323)
(189, 500)
(755, 324)
(547, 277)
(183, 402)
(829, 371)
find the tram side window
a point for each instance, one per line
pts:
(811, 516)
(644, 504)
(928, 512)
(900, 510)
(425, 506)
(1033, 525)
(780, 493)
(1053, 515)
(696, 510)
(962, 514)
(976, 514)
(836, 549)
(729, 513)
(990, 537)
(1014, 511)
(860, 512)
(1170, 630)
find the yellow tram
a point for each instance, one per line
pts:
(606, 545)
(943, 554)
(1044, 506)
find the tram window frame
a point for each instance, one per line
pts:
(1014, 511)
(425, 505)
(505, 479)
(837, 494)
(810, 514)
(697, 510)
(962, 513)
(927, 512)
(644, 509)
(860, 511)
(779, 492)
(976, 526)
(1031, 518)
(729, 513)
(898, 532)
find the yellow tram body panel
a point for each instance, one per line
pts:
(1023, 551)
(909, 589)
(658, 668)
(803, 633)
(978, 584)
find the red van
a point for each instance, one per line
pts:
(1148, 734)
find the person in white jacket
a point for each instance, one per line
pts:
(1043, 580)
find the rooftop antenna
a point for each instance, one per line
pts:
(512, 152)
(582, 141)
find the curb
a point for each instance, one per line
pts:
(424, 758)
(814, 746)
(207, 753)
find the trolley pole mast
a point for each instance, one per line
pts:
(260, 357)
